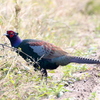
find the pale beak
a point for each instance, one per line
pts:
(5, 34)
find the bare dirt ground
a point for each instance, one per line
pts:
(88, 88)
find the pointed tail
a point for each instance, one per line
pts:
(84, 60)
(64, 60)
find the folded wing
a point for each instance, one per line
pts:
(46, 50)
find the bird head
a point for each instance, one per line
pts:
(11, 34)
(13, 37)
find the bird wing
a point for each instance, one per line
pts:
(46, 50)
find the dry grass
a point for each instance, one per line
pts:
(68, 24)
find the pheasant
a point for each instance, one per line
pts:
(44, 55)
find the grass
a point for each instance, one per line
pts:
(59, 22)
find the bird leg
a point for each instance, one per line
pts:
(43, 71)
(44, 74)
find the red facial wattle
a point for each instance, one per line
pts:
(11, 35)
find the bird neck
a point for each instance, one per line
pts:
(15, 41)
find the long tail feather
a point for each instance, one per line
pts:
(64, 60)
(84, 60)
